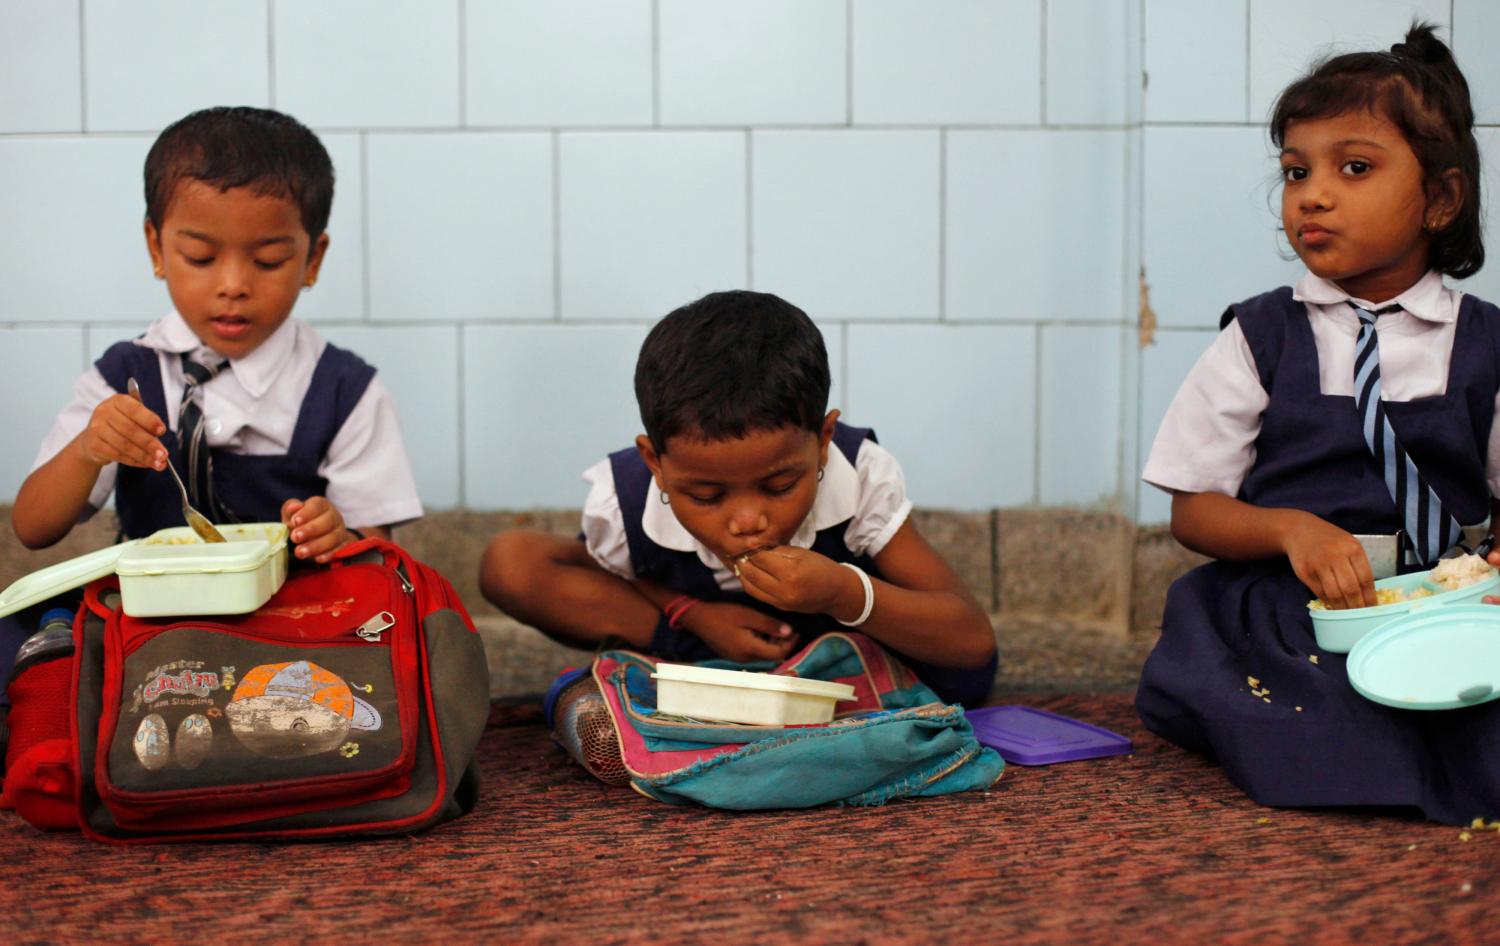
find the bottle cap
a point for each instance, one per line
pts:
(64, 615)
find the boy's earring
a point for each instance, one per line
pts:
(820, 474)
(665, 499)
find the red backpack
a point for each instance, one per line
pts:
(351, 702)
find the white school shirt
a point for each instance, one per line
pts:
(871, 492)
(252, 409)
(1206, 442)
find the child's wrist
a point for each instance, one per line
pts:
(856, 597)
(677, 609)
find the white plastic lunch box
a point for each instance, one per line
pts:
(743, 696)
(1338, 631)
(173, 572)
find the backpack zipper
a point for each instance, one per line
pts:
(375, 626)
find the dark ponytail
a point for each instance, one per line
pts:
(1418, 87)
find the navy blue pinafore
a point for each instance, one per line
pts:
(1309, 739)
(684, 572)
(249, 488)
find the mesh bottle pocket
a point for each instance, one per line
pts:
(581, 722)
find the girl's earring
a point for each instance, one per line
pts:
(820, 474)
(665, 499)
(160, 274)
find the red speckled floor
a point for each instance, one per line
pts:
(1156, 847)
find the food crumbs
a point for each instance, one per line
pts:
(1466, 887)
(1254, 683)
(1266, 699)
(1299, 709)
(1464, 835)
(1477, 823)
(1411, 847)
(1313, 657)
(1262, 820)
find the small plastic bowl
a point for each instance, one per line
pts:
(1338, 631)
(743, 696)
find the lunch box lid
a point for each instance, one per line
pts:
(63, 577)
(751, 680)
(1029, 736)
(1432, 659)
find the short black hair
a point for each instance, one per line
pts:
(1418, 87)
(272, 154)
(729, 364)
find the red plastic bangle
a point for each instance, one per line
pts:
(677, 607)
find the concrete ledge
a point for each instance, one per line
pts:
(1075, 595)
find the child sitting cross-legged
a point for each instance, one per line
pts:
(262, 418)
(747, 519)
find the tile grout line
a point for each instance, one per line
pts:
(556, 226)
(1247, 60)
(685, 129)
(655, 63)
(849, 63)
(538, 321)
(942, 222)
(1036, 414)
(463, 63)
(749, 209)
(844, 365)
(1133, 264)
(271, 53)
(366, 302)
(83, 72)
(463, 418)
(1042, 79)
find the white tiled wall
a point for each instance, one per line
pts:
(963, 193)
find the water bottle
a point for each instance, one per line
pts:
(54, 637)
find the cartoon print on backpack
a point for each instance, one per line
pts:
(296, 709)
(154, 749)
(173, 685)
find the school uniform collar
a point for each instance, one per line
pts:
(1427, 299)
(255, 372)
(837, 501)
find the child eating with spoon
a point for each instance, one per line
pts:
(263, 419)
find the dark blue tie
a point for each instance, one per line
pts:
(1430, 529)
(199, 458)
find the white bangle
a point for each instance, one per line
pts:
(869, 596)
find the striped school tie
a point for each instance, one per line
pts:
(199, 458)
(1430, 529)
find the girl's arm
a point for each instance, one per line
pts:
(921, 607)
(1328, 560)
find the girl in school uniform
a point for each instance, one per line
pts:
(1360, 402)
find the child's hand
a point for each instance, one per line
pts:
(801, 580)
(123, 430)
(1331, 562)
(316, 526)
(738, 633)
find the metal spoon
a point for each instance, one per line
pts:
(196, 519)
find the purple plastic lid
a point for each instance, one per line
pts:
(1029, 736)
